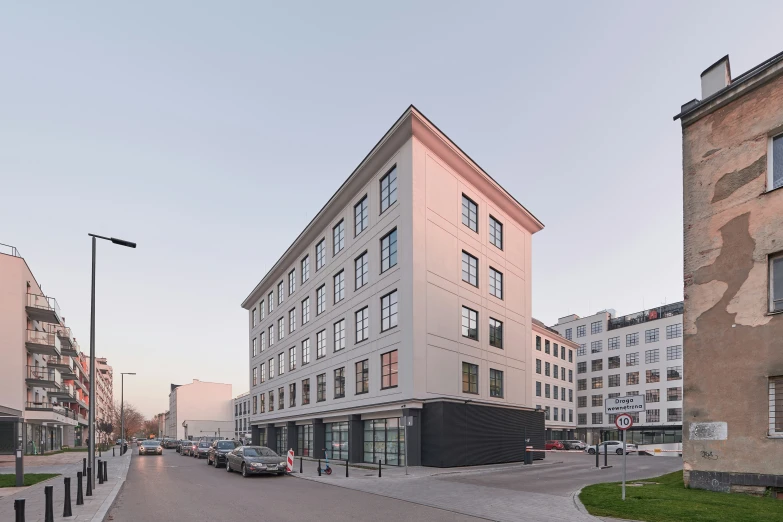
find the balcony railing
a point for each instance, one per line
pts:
(63, 333)
(48, 406)
(43, 308)
(9, 250)
(46, 343)
(61, 362)
(653, 314)
(40, 373)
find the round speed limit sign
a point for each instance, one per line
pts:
(623, 421)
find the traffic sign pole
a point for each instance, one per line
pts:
(625, 457)
(623, 422)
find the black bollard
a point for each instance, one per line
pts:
(300, 466)
(319, 467)
(606, 456)
(79, 496)
(19, 509)
(100, 472)
(84, 467)
(67, 506)
(99, 451)
(346, 469)
(49, 509)
(89, 482)
(112, 452)
(379, 468)
(105, 472)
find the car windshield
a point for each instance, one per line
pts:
(225, 444)
(150, 443)
(203, 444)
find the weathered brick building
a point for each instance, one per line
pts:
(733, 321)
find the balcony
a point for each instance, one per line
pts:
(43, 309)
(46, 412)
(653, 314)
(64, 394)
(43, 377)
(64, 334)
(45, 343)
(64, 365)
(73, 350)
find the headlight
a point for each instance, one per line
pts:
(282, 464)
(160, 449)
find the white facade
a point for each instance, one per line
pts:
(554, 380)
(411, 338)
(241, 409)
(204, 407)
(637, 354)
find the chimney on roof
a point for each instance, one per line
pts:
(715, 77)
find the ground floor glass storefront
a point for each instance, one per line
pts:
(337, 440)
(282, 440)
(40, 439)
(384, 440)
(304, 440)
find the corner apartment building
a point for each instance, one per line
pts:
(200, 409)
(635, 354)
(553, 381)
(407, 297)
(42, 377)
(241, 406)
(732, 160)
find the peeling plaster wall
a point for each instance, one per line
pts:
(731, 345)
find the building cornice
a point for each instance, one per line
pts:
(549, 333)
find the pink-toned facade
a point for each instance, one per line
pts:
(200, 409)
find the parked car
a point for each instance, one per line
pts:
(150, 447)
(255, 460)
(179, 445)
(611, 446)
(574, 444)
(201, 449)
(170, 444)
(218, 451)
(554, 445)
(119, 441)
(187, 447)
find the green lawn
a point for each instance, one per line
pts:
(671, 501)
(8, 480)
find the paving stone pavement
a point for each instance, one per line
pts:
(95, 507)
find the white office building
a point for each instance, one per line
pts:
(241, 407)
(554, 360)
(636, 354)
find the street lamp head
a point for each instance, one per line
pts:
(123, 242)
(128, 373)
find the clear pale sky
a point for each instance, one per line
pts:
(211, 132)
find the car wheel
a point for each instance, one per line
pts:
(244, 470)
(620, 451)
(591, 451)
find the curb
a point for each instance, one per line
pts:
(579, 506)
(103, 511)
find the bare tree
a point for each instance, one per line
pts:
(134, 421)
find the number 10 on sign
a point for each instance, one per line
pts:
(623, 422)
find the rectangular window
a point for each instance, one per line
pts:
(547, 369)
(339, 286)
(598, 418)
(320, 255)
(496, 232)
(469, 378)
(598, 382)
(547, 391)
(320, 391)
(581, 384)
(651, 336)
(613, 343)
(651, 356)
(568, 333)
(538, 366)
(776, 261)
(305, 269)
(673, 353)
(674, 394)
(306, 310)
(271, 400)
(280, 292)
(469, 323)
(673, 331)
(389, 189)
(320, 344)
(262, 403)
(255, 346)
(674, 373)
(361, 270)
(596, 346)
(653, 415)
(632, 359)
(360, 216)
(546, 346)
(469, 269)
(555, 410)
(362, 324)
(255, 376)
(389, 311)
(271, 300)
(389, 250)
(570, 395)
(255, 317)
(581, 402)
(597, 400)
(631, 378)
(570, 375)
(632, 339)
(271, 335)
(263, 372)
(263, 310)
(581, 418)
(389, 370)
(339, 383)
(582, 350)
(538, 389)
(614, 380)
(280, 398)
(305, 351)
(614, 362)
(581, 331)
(495, 383)
(305, 392)
(320, 300)
(652, 395)
(596, 327)
(292, 395)
(776, 406)
(496, 284)
(338, 237)
(292, 281)
(555, 372)
(555, 350)
(674, 415)
(652, 376)
(292, 358)
(280, 363)
(556, 393)
(597, 365)
(362, 376)
(469, 213)
(255, 404)
(495, 333)
(562, 352)
(280, 328)
(291, 320)
(538, 343)
(339, 335)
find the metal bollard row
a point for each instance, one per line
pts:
(67, 505)
(79, 496)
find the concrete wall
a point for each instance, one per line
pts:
(209, 402)
(732, 344)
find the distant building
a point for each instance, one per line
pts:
(241, 407)
(200, 409)
(732, 157)
(104, 390)
(553, 380)
(635, 354)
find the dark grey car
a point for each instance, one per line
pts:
(255, 460)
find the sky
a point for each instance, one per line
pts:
(211, 132)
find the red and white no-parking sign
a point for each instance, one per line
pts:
(290, 462)
(623, 421)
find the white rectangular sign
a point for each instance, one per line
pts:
(627, 404)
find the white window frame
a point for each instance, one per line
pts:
(772, 297)
(770, 163)
(773, 395)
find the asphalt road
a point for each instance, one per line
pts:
(172, 487)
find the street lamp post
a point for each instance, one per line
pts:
(91, 420)
(122, 410)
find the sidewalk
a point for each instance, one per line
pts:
(95, 507)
